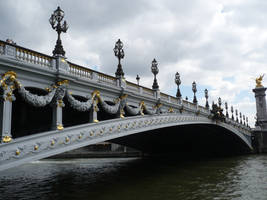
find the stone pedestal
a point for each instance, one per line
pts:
(260, 132)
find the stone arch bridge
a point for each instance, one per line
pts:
(50, 105)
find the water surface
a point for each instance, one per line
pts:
(243, 177)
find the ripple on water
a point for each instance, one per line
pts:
(237, 178)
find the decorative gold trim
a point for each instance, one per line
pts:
(170, 110)
(95, 121)
(17, 152)
(12, 74)
(60, 103)
(121, 113)
(60, 127)
(36, 147)
(52, 142)
(80, 136)
(67, 139)
(63, 82)
(157, 106)
(6, 139)
(95, 93)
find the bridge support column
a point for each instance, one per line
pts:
(93, 113)
(57, 115)
(260, 132)
(6, 114)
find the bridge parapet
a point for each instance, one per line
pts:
(25, 54)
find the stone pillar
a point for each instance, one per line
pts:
(6, 97)
(6, 114)
(93, 113)
(57, 115)
(62, 64)
(260, 130)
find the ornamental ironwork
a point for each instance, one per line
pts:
(119, 53)
(155, 71)
(194, 89)
(55, 21)
(178, 83)
(207, 96)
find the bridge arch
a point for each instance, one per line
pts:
(189, 138)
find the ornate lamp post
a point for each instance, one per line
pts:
(55, 21)
(244, 120)
(155, 71)
(206, 96)
(194, 89)
(119, 53)
(236, 115)
(232, 111)
(178, 83)
(247, 121)
(219, 102)
(226, 108)
(137, 79)
(240, 117)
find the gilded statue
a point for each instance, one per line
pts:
(259, 80)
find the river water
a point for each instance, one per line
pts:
(243, 177)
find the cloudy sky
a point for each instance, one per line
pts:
(220, 44)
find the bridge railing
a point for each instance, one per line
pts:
(133, 87)
(80, 71)
(37, 58)
(25, 54)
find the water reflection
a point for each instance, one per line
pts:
(225, 178)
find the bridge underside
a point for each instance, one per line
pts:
(186, 140)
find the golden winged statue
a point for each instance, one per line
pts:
(259, 80)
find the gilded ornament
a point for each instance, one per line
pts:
(48, 89)
(36, 147)
(66, 82)
(91, 133)
(171, 110)
(80, 136)
(95, 93)
(67, 139)
(17, 152)
(52, 142)
(121, 113)
(6, 139)
(60, 127)
(11, 74)
(259, 80)
(95, 121)
(60, 103)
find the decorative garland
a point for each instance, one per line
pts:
(57, 92)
